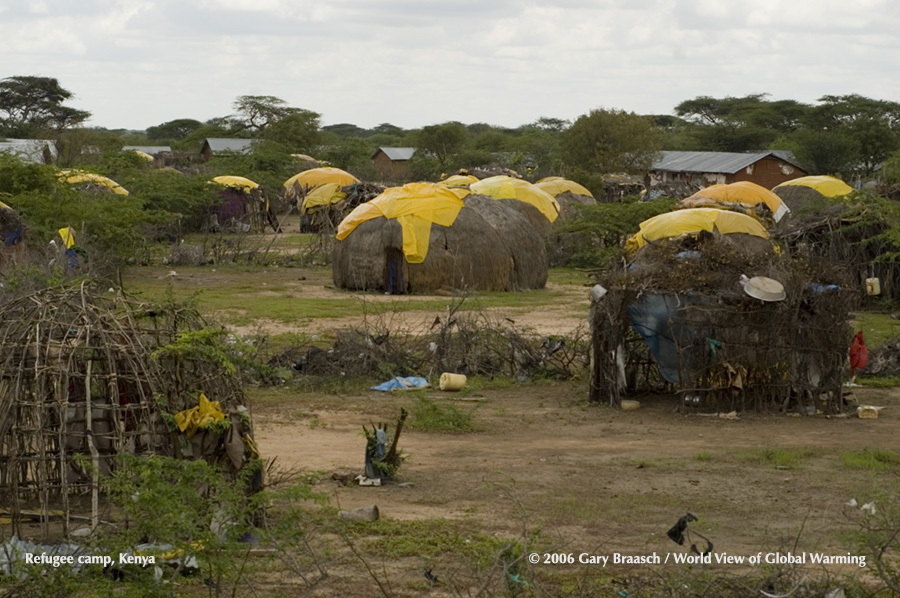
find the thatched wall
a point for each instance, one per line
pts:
(490, 247)
(568, 201)
(799, 198)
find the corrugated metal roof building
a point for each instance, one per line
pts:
(767, 168)
(35, 150)
(390, 162)
(217, 145)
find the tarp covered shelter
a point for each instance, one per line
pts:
(422, 237)
(505, 187)
(809, 193)
(567, 193)
(693, 221)
(741, 194)
(76, 177)
(242, 209)
(828, 186)
(323, 195)
(458, 180)
(308, 179)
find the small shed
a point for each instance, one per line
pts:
(702, 169)
(391, 162)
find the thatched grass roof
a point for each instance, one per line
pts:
(491, 246)
(567, 202)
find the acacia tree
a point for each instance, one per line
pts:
(605, 141)
(443, 141)
(33, 105)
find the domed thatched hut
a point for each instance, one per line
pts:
(538, 206)
(567, 193)
(811, 192)
(421, 237)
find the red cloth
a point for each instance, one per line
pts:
(859, 354)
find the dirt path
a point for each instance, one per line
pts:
(593, 474)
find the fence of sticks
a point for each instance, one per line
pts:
(79, 385)
(678, 320)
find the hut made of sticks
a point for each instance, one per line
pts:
(80, 385)
(679, 319)
(490, 246)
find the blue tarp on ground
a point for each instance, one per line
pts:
(400, 383)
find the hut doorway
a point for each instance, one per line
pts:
(393, 271)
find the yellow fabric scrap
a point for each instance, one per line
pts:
(504, 187)
(74, 177)
(323, 195)
(68, 236)
(692, 221)
(828, 186)
(196, 418)
(555, 185)
(236, 182)
(416, 206)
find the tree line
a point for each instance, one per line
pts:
(846, 135)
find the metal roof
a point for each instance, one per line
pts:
(148, 149)
(30, 149)
(396, 153)
(224, 144)
(720, 162)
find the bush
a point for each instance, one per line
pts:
(598, 232)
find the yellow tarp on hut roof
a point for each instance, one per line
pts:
(504, 187)
(555, 185)
(458, 180)
(237, 182)
(4, 206)
(416, 206)
(319, 176)
(74, 177)
(692, 221)
(828, 186)
(323, 195)
(742, 193)
(144, 155)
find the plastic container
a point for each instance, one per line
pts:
(452, 381)
(873, 286)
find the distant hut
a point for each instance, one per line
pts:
(811, 192)
(567, 193)
(242, 207)
(421, 238)
(538, 206)
(91, 181)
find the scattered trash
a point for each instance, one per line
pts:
(859, 354)
(364, 481)
(868, 411)
(836, 593)
(431, 577)
(452, 381)
(401, 383)
(762, 288)
(869, 508)
(362, 514)
(852, 503)
(381, 463)
(679, 530)
(597, 292)
(630, 405)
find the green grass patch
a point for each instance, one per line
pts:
(777, 457)
(432, 416)
(871, 459)
(876, 327)
(705, 456)
(888, 382)
(568, 276)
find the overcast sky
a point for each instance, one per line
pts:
(138, 63)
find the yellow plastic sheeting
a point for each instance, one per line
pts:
(745, 193)
(459, 180)
(144, 155)
(196, 418)
(504, 187)
(4, 206)
(323, 195)
(460, 192)
(68, 236)
(74, 177)
(828, 186)
(692, 221)
(237, 182)
(416, 206)
(554, 185)
(319, 176)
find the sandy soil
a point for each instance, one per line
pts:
(592, 476)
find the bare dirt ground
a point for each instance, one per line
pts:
(597, 479)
